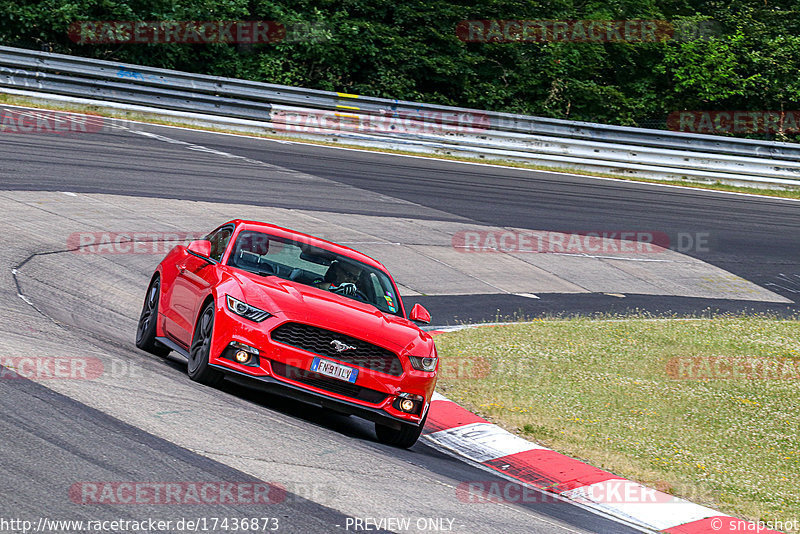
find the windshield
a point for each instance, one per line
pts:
(269, 255)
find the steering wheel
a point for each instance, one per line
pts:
(358, 293)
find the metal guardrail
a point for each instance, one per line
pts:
(408, 125)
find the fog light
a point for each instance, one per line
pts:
(246, 348)
(242, 356)
(408, 403)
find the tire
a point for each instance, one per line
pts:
(198, 368)
(403, 438)
(146, 329)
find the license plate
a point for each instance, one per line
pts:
(335, 370)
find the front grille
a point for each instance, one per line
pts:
(327, 383)
(318, 341)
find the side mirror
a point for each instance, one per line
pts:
(200, 247)
(419, 314)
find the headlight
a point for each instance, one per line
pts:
(423, 364)
(245, 310)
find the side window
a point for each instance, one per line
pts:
(219, 240)
(376, 290)
(384, 296)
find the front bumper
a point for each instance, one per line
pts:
(284, 389)
(285, 370)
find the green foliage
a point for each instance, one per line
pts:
(747, 59)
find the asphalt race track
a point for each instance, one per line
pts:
(755, 239)
(143, 421)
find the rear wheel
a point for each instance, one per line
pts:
(146, 330)
(404, 437)
(198, 367)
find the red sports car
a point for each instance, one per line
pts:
(296, 314)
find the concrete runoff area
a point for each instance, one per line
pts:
(83, 302)
(420, 254)
(85, 306)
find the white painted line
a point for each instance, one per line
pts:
(456, 328)
(621, 258)
(526, 295)
(481, 442)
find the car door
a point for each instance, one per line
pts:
(193, 283)
(195, 278)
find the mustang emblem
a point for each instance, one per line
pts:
(341, 347)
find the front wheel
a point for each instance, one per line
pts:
(403, 438)
(146, 329)
(198, 368)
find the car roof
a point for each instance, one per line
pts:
(280, 231)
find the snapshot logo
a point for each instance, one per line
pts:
(400, 122)
(592, 242)
(735, 122)
(135, 242)
(571, 31)
(194, 32)
(732, 368)
(732, 524)
(177, 493)
(25, 121)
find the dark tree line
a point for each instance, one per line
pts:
(745, 57)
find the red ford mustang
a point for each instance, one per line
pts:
(293, 313)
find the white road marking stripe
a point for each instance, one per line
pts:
(631, 500)
(481, 442)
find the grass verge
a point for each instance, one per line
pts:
(705, 409)
(793, 193)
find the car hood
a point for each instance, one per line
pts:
(305, 304)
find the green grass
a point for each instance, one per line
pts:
(788, 192)
(600, 390)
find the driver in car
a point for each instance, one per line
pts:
(340, 278)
